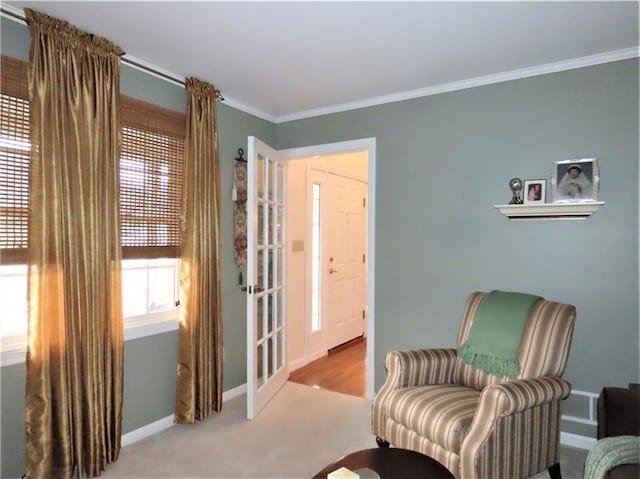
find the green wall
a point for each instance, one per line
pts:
(150, 362)
(443, 161)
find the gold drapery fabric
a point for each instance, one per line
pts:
(199, 377)
(75, 349)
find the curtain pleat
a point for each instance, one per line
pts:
(75, 348)
(199, 376)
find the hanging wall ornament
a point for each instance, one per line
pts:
(240, 209)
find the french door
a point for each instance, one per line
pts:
(267, 369)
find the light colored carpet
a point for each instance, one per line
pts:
(297, 434)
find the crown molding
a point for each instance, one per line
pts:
(17, 15)
(544, 69)
(249, 109)
(14, 13)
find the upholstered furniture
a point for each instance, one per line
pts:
(619, 415)
(475, 424)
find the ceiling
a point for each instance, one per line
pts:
(287, 60)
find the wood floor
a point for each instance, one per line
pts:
(342, 370)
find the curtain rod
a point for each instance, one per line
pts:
(124, 59)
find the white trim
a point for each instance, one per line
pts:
(15, 11)
(589, 422)
(306, 359)
(248, 109)
(368, 144)
(146, 431)
(316, 165)
(13, 349)
(575, 440)
(150, 324)
(174, 78)
(167, 421)
(569, 64)
(517, 74)
(234, 392)
(592, 419)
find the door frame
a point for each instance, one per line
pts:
(368, 145)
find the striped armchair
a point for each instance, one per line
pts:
(477, 425)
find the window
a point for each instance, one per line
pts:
(15, 150)
(315, 259)
(150, 180)
(13, 300)
(149, 286)
(149, 289)
(150, 199)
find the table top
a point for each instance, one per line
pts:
(391, 463)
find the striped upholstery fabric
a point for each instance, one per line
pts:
(549, 329)
(478, 425)
(441, 413)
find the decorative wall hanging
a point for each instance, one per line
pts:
(240, 211)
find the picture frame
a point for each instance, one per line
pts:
(534, 192)
(575, 180)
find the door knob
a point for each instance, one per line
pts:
(331, 270)
(257, 289)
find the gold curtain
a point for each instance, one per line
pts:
(75, 350)
(199, 381)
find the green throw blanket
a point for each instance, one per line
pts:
(609, 453)
(493, 341)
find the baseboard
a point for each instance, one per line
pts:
(166, 422)
(234, 392)
(566, 438)
(303, 361)
(146, 431)
(575, 440)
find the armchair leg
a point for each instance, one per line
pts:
(554, 471)
(382, 443)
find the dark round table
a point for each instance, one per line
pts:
(391, 463)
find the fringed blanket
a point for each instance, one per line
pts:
(610, 452)
(493, 341)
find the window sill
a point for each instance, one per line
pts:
(13, 349)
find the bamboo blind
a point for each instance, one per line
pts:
(151, 180)
(151, 176)
(15, 151)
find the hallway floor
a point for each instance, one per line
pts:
(342, 370)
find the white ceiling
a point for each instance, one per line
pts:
(294, 59)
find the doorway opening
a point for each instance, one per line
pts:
(328, 270)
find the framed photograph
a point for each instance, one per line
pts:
(575, 181)
(534, 191)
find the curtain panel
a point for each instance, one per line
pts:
(199, 373)
(75, 348)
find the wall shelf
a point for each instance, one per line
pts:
(550, 211)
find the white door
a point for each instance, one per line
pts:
(345, 265)
(266, 327)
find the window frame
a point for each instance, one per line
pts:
(137, 114)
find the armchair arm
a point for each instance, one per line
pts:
(419, 367)
(516, 396)
(497, 403)
(407, 369)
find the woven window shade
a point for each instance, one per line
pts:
(15, 150)
(151, 180)
(150, 172)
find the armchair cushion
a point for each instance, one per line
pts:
(441, 413)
